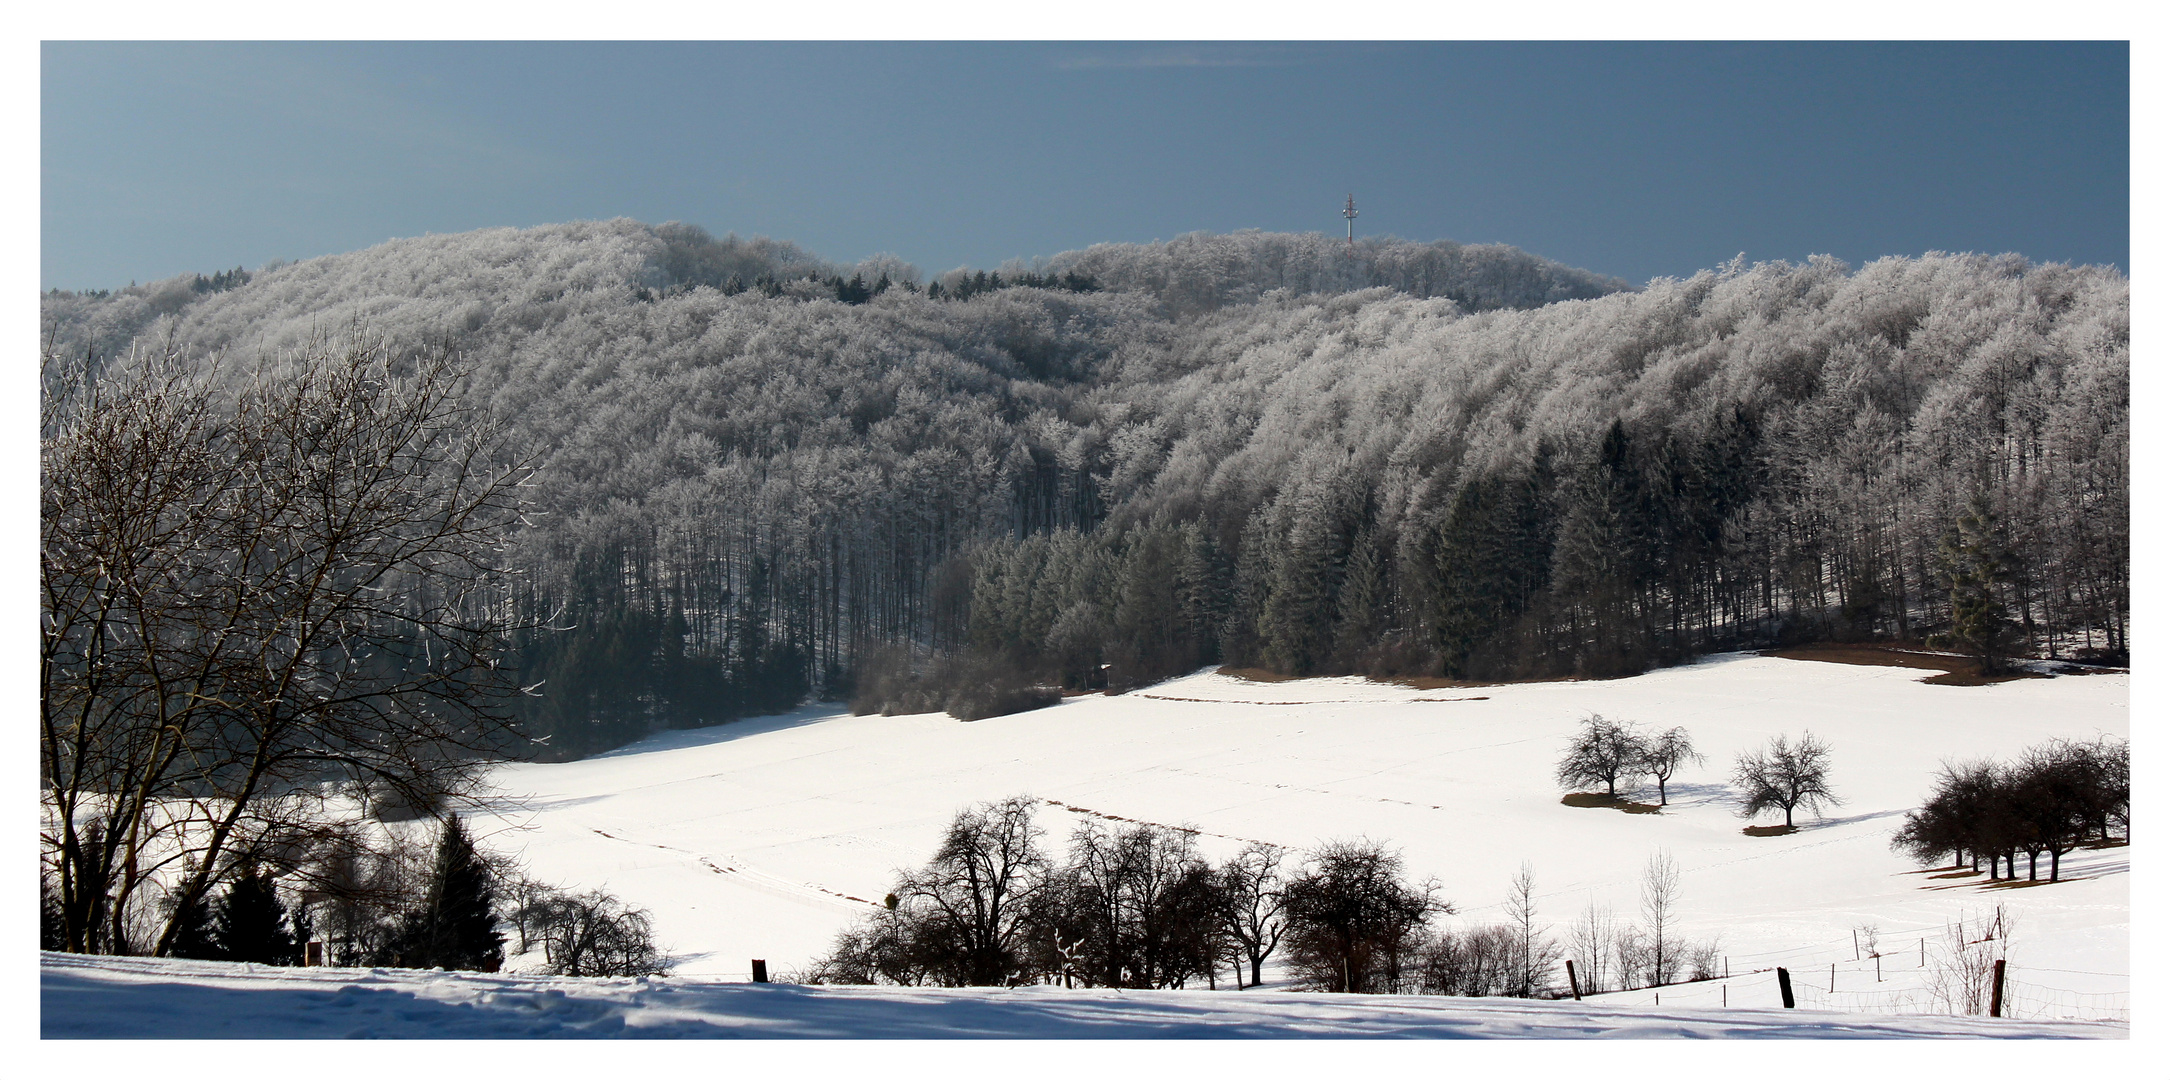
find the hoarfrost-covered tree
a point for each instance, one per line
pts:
(753, 492)
(1962, 968)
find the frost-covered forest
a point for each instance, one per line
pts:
(761, 475)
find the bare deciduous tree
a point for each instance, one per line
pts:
(1603, 751)
(976, 894)
(1664, 753)
(1482, 961)
(1251, 895)
(1535, 951)
(592, 933)
(1786, 776)
(1661, 900)
(1593, 942)
(1963, 966)
(255, 587)
(1142, 905)
(1353, 922)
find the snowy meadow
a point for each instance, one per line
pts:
(766, 837)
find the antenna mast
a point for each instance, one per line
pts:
(1349, 212)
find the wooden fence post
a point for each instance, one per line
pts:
(760, 971)
(1996, 990)
(1785, 987)
(1572, 986)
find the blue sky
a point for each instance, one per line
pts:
(1639, 159)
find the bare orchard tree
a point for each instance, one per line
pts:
(593, 933)
(255, 587)
(1140, 902)
(1786, 776)
(1664, 752)
(1355, 926)
(971, 904)
(1602, 752)
(1251, 905)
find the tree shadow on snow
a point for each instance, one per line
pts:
(1682, 794)
(1817, 823)
(691, 738)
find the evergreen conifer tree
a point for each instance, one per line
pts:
(1977, 563)
(250, 923)
(456, 926)
(194, 939)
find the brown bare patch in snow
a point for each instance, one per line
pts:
(1598, 800)
(1956, 670)
(1254, 674)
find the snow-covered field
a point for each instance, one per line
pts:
(129, 997)
(763, 838)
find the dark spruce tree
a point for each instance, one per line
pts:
(193, 938)
(1603, 559)
(456, 926)
(1489, 559)
(1977, 564)
(250, 924)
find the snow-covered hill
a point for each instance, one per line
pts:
(130, 997)
(763, 838)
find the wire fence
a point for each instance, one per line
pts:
(2022, 1001)
(1896, 972)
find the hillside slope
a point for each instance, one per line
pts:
(764, 838)
(750, 487)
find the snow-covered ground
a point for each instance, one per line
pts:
(130, 997)
(763, 838)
